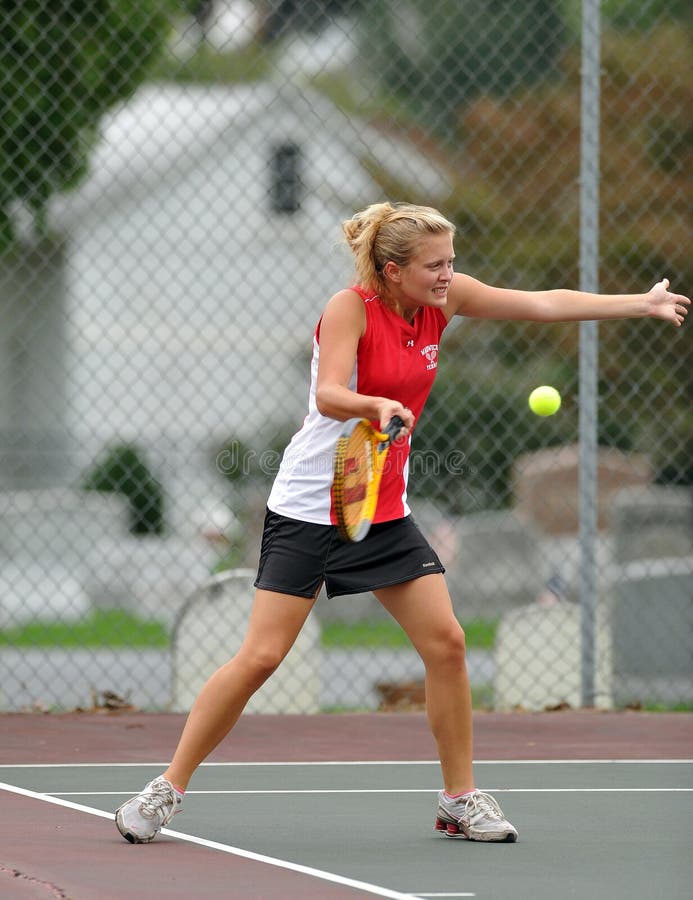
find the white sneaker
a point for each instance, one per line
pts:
(476, 816)
(140, 819)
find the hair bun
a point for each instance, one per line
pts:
(364, 225)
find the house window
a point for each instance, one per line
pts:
(286, 185)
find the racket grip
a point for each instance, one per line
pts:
(394, 427)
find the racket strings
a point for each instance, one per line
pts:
(353, 476)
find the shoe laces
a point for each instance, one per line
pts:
(158, 795)
(479, 802)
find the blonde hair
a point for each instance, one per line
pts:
(384, 231)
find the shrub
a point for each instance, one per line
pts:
(124, 471)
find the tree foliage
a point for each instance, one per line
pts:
(644, 14)
(63, 63)
(435, 53)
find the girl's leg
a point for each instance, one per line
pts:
(424, 609)
(275, 622)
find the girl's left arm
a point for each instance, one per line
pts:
(469, 297)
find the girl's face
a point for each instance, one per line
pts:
(425, 280)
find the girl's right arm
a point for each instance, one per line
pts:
(342, 326)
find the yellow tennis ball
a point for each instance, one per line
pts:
(544, 400)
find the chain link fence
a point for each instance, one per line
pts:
(172, 181)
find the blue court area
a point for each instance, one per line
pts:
(588, 829)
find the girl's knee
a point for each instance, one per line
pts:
(457, 645)
(259, 663)
(448, 648)
(267, 661)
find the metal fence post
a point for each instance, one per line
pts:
(589, 342)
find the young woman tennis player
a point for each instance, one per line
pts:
(374, 356)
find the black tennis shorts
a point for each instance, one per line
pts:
(297, 557)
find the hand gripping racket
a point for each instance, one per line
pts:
(358, 466)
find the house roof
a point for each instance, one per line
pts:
(166, 129)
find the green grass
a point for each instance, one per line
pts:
(101, 628)
(654, 706)
(377, 633)
(118, 628)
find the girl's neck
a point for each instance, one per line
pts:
(407, 313)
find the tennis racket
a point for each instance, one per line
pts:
(358, 466)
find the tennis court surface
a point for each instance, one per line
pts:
(342, 806)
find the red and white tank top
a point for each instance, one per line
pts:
(394, 359)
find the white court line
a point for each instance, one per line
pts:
(225, 848)
(491, 790)
(373, 762)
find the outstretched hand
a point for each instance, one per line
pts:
(665, 305)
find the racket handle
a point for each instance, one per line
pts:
(394, 427)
